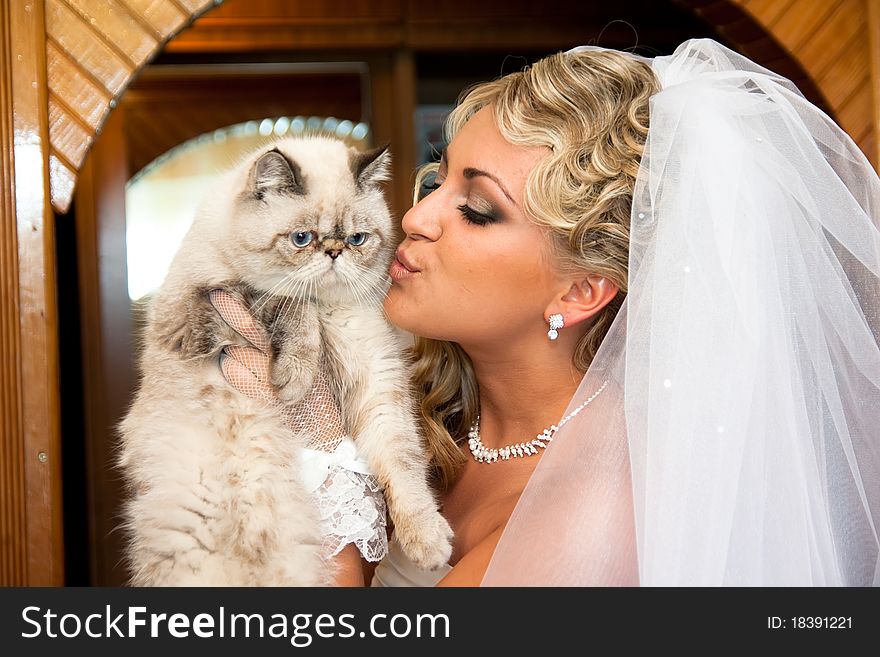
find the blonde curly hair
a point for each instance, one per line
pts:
(591, 109)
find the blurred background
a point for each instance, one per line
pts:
(368, 71)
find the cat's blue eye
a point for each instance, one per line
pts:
(301, 240)
(357, 239)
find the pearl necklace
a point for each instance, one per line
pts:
(485, 455)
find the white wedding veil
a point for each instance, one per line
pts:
(738, 439)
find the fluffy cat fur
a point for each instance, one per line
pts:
(216, 498)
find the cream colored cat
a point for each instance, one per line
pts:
(301, 233)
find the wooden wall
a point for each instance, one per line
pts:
(65, 63)
(836, 42)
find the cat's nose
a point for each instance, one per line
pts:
(332, 246)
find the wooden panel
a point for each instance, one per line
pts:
(13, 507)
(273, 25)
(195, 6)
(70, 138)
(75, 37)
(381, 115)
(62, 179)
(758, 44)
(768, 10)
(831, 42)
(850, 70)
(164, 108)
(211, 35)
(476, 36)
(134, 27)
(856, 112)
(873, 141)
(87, 98)
(37, 349)
(117, 26)
(524, 24)
(869, 144)
(795, 27)
(309, 10)
(163, 16)
(840, 28)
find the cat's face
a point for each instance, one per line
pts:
(313, 222)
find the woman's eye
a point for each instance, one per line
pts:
(301, 240)
(474, 217)
(357, 239)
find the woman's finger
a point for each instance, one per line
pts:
(255, 360)
(244, 380)
(239, 318)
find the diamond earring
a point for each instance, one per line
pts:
(556, 322)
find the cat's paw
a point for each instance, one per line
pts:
(291, 383)
(425, 538)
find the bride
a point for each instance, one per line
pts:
(647, 301)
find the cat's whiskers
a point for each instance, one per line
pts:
(287, 287)
(348, 274)
(293, 299)
(301, 291)
(363, 290)
(264, 298)
(290, 298)
(358, 289)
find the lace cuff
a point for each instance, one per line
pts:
(350, 500)
(353, 511)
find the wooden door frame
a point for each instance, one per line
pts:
(107, 349)
(30, 464)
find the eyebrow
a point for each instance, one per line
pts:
(470, 173)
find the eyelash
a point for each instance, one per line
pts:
(474, 217)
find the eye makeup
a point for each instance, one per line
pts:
(475, 211)
(479, 215)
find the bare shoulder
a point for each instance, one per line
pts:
(471, 568)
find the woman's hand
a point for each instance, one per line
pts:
(247, 369)
(351, 502)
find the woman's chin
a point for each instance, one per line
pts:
(401, 313)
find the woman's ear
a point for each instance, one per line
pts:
(583, 299)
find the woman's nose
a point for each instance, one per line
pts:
(422, 220)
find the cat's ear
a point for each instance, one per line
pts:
(371, 167)
(275, 173)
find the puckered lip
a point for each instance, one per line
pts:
(406, 262)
